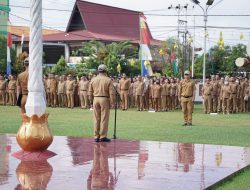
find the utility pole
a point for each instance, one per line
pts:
(179, 8)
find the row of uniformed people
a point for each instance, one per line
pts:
(227, 95)
(140, 92)
(8, 90)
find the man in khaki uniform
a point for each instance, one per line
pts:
(173, 91)
(206, 95)
(70, 91)
(53, 90)
(225, 91)
(48, 90)
(186, 97)
(215, 93)
(3, 87)
(12, 91)
(83, 88)
(61, 92)
(124, 89)
(157, 95)
(139, 93)
(221, 84)
(22, 85)
(164, 96)
(233, 96)
(100, 89)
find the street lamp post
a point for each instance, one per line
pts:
(208, 4)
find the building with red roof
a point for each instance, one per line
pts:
(92, 21)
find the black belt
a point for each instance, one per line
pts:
(187, 96)
(124, 89)
(101, 97)
(83, 90)
(233, 93)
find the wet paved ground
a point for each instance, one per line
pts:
(82, 164)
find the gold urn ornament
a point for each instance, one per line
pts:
(34, 133)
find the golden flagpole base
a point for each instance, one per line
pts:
(34, 133)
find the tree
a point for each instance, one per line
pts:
(112, 54)
(60, 67)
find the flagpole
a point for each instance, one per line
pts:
(140, 50)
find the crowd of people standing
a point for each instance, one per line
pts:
(226, 95)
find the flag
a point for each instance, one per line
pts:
(9, 45)
(146, 56)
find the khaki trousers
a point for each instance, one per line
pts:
(164, 103)
(187, 109)
(215, 103)
(2, 97)
(101, 116)
(207, 104)
(225, 105)
(172, 105)
(124, 99)
(48, 98)
(12, 97)
(61, 100)
(157, 104)
(234, 102)
(70, 99)
(139, 102)
(84, 99)
(53, 97)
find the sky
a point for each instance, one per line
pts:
(161, 25)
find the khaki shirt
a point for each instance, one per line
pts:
(226, 91)
(124, 84)
(173, 89)
(234, 88)
(22, 81)
(83, 85)
(207, 89)
(187, 88)
(69, 85)
(139, 88)
(12, 85)
(61, 87)
(157, 91)
(53, 85)
(101, 86)
(3, 84)
(216, 88)
(164, 90)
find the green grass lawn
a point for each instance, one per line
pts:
(218, 129)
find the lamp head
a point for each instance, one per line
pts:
(196, 2)
(210, 2)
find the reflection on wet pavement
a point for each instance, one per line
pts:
(82, 164)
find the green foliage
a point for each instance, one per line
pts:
(60, 68)
(168, 71)
(96, 52)
(221, 60)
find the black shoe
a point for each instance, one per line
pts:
(97, 140)
(105, 139)
(185, 124)
(189, 124)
